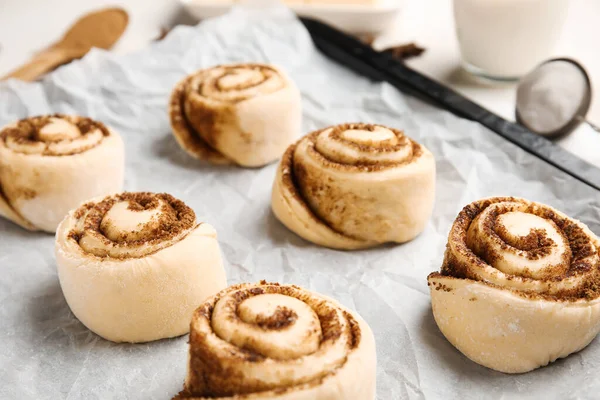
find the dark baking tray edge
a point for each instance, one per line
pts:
(381, 66)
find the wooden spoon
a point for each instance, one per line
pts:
(97, 29)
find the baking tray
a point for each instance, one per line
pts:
(382, 66)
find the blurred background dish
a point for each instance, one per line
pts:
(355, 16)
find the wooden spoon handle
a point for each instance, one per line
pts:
(40, 65)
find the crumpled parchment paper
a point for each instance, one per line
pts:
(46, 353)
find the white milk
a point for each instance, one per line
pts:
(508, 38)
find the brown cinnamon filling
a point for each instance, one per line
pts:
(281, 318)
(27, 132)
(142, 202)
(534, 246)
(209, 376)
(384, 146)
(364, 165)
(537, 244)
(82, 210)
(214, 84)
(175, 217)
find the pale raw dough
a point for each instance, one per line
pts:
(293, 362)
(151, 290)
(508, 312)
(507, 332)
(355, 186)
(44, 178)
(246, 114)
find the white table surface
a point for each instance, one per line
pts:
(27, 26)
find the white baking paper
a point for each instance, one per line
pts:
(46, 353)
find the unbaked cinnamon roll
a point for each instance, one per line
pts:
(50, 164)
(271, 341)
(245, 114)
(134, 266)
(519, 286)
(354, 186)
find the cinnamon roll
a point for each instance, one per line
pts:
(271, 341)
(245, 114)
(134, 266)
(50, 164)
(519, 286)
(354, 186)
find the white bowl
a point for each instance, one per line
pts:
(352, 18)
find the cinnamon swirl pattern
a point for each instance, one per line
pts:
(519, 286)
(245, 114)
(355, 186)
(134, 266)
(50, 164)
(271, 341)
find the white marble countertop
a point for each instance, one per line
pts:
(27, 26)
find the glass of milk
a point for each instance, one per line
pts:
(505, 39)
